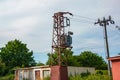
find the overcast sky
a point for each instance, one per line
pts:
(31, 22)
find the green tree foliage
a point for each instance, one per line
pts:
(85, 59)
(40, 64)
(89, 59)
(16, 54)
(2, 68)
(66, 58)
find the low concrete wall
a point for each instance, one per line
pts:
(78, 70)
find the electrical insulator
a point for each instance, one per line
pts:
(107, 23)
(101, 24)
(110, 18)
(112, 22)
(67, 22)
(70, 33)
(98, 20)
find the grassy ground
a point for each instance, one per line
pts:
(90, 77)
(8, 77)
(100, 75)
(77, 77)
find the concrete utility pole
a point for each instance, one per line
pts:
(104, 23)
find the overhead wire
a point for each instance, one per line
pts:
(89, 47)
(88, 20)
(82, 19)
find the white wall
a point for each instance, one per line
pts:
(71, 71)
(79, 70)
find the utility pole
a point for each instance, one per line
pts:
(61, 40)
(104, 23)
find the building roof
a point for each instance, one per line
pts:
(114, 58)
(35, 67)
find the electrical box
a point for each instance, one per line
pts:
(68, 40)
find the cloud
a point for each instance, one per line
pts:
(10, 7)
(31, 21)
(25, 24)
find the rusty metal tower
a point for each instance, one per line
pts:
(61, 38)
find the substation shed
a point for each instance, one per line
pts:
(115, 67)
(40, 72)
(32, 73)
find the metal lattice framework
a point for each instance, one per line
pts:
(58, 39)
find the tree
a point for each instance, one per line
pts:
(89, 59)
(2, 68)
(16, 54)
(40, 64)
(66, 58)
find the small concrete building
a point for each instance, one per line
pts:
(40, 72)
(115, 67)
(32, 73)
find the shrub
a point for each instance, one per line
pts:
(102, 72)
(90, 77)
(85, 74)
(8, 77)
(99, 72)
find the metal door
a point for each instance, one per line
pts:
(37, 75)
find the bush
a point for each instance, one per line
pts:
(102, 72)
(85, 74)
(90, 77)
(99, 72)
(8, 77)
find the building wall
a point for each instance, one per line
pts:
(116, 69)
(30, 74)
(16, 75)
(44, 72)
(79, 70)
(59, 73)
(21, 74)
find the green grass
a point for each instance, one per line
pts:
(47, 78)
(105, 72)
(100, 75)
(90, 77)
(8, 77)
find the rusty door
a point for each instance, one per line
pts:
(16, 75)
(37, 75)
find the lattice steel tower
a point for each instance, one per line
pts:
(61, 38)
